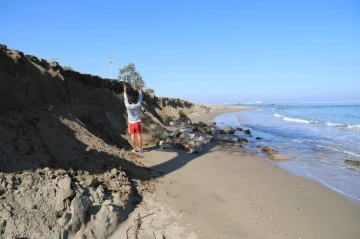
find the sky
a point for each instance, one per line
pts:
(204, 51)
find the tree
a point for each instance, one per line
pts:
(130, 74)
(68, 68)
(149, 90)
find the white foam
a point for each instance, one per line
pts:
(298, 120)
(343, 125)
(294, 119)
(340, 151)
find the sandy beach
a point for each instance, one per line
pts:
(227, 193)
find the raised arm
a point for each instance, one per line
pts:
(139, 88)
(126, 101)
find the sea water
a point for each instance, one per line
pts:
(318, 136)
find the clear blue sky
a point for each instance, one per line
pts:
(231, 51)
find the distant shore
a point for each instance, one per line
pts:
(216, 110)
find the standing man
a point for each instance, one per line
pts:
(133, 110)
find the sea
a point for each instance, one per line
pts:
(319, 137)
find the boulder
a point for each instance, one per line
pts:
(267, 149)
(353, 162)
(65, 191)
(239, 129)
(202, 124)
(114, 171)
(247, 131)
(195, 147)
(205, 130)
(79, 206)
(211, 123)
(228, 130)
(243, 140)
(278, 157)
(258, 138)
(194, 128)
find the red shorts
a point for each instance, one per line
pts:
(135, 128)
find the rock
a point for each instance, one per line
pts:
(3, 47)
(64, 219)
(187, 130)
(353, 162)
(239, 129)
(202, 124)
(227, 139)
(205, 130)
(267, 149)
(105, 221)
(113, 185)
(91, 182)
(243, 140)
(196, 147)
(65, 190)
(247, 131)
(258, 138)
(211, 123)
(184, 135)
(166, 145)
(228, 130)
(114, 172)
(213, 131)
(278, 157)
(79, 206)
(175, 133)
(194, 128)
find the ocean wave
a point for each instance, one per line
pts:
(305, 121)
(350, 126)
(278, 115)
(339, 150)
(286, 118)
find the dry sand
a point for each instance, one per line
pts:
(225, 193)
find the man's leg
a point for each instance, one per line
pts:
(139, 141)
(138, 132)
(133, 141)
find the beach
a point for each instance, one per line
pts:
(231, 193)
(67, 171)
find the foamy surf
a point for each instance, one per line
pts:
(294, 119)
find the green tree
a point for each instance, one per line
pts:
(149, 90)
(129, 74)
(68, 68)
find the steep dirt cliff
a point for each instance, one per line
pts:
(64, 167)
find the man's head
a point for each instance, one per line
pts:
(133, 96)
(132, 99)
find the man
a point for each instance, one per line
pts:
(133, 110)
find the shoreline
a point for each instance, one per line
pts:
(297, 168)
(227, 193)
